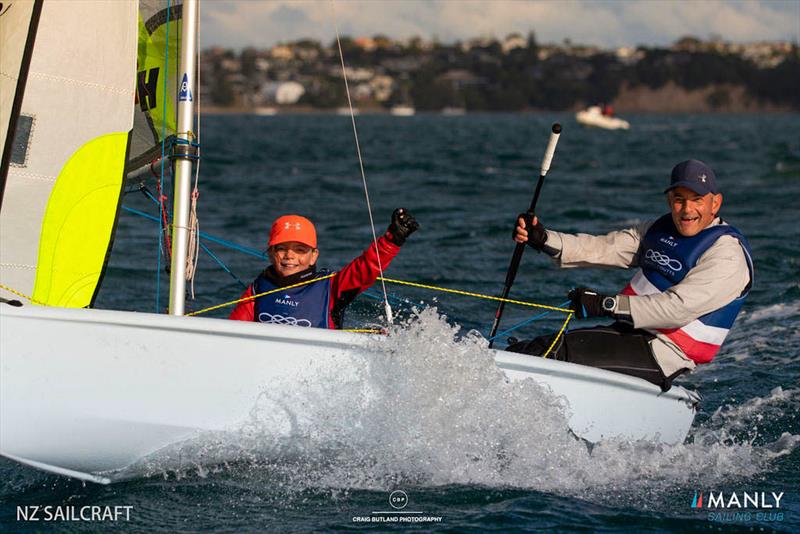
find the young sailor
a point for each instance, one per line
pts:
(694, 272)
(293, 255)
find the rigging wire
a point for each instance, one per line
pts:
(162, 226)
(387, 306)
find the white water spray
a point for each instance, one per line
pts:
(424, 408)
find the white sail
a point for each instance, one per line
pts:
(62, 189)
(16, 23)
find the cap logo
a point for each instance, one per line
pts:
(288, 225)
(703, 178)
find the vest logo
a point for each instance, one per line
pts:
(663, 260)
(668, 241)
(745, 499)
(277, 318)
(287, 301)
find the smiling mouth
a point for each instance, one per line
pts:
(689, 220)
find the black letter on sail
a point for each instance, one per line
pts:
(146, 89)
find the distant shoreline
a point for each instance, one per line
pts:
(219, 110)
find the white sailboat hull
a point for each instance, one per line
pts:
(87, 393)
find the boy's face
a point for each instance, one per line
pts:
(292, 257)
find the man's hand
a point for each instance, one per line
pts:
(403, 225)
(587, 302)
(529, 230)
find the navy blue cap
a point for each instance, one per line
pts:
(695, 175)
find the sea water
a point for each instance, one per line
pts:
(427, 422)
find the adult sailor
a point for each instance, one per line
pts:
(694, 272)
(293, 254)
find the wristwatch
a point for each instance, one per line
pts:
(609, 305)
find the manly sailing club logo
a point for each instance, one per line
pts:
(745, 499)
(669, 240)
(287, 301)
(277, 318)
(738, 507)
(663, 260)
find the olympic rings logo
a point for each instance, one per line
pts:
(663, 260)
(265, 317)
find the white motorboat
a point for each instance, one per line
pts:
(594, 117)
(89, 393)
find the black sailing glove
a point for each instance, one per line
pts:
(403, 225)
(587, 302)
(537, 235)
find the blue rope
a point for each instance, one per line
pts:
(221, 264)
(205, 248)
(163, 151)
(178, 141)
(218, 240)
(526, 321)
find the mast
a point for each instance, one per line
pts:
(183, 154)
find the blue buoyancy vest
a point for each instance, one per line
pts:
(306, 305)
(665, 257)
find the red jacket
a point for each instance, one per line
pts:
(356, 277)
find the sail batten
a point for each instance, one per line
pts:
(18, 25)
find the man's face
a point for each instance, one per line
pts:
(692, 212)
(292, 257)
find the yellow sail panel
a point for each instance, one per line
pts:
(78, 223)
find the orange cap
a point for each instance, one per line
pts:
(293, 228)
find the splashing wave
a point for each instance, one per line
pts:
(427, 407)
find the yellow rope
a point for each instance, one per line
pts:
(17, 293)
(368, 330)
(568, 311)
(563, 326)
(392, 281)
(253, 297)
(477, 295)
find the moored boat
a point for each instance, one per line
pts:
(594, 117)
(402, 111)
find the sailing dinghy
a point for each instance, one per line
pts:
(88, 393)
